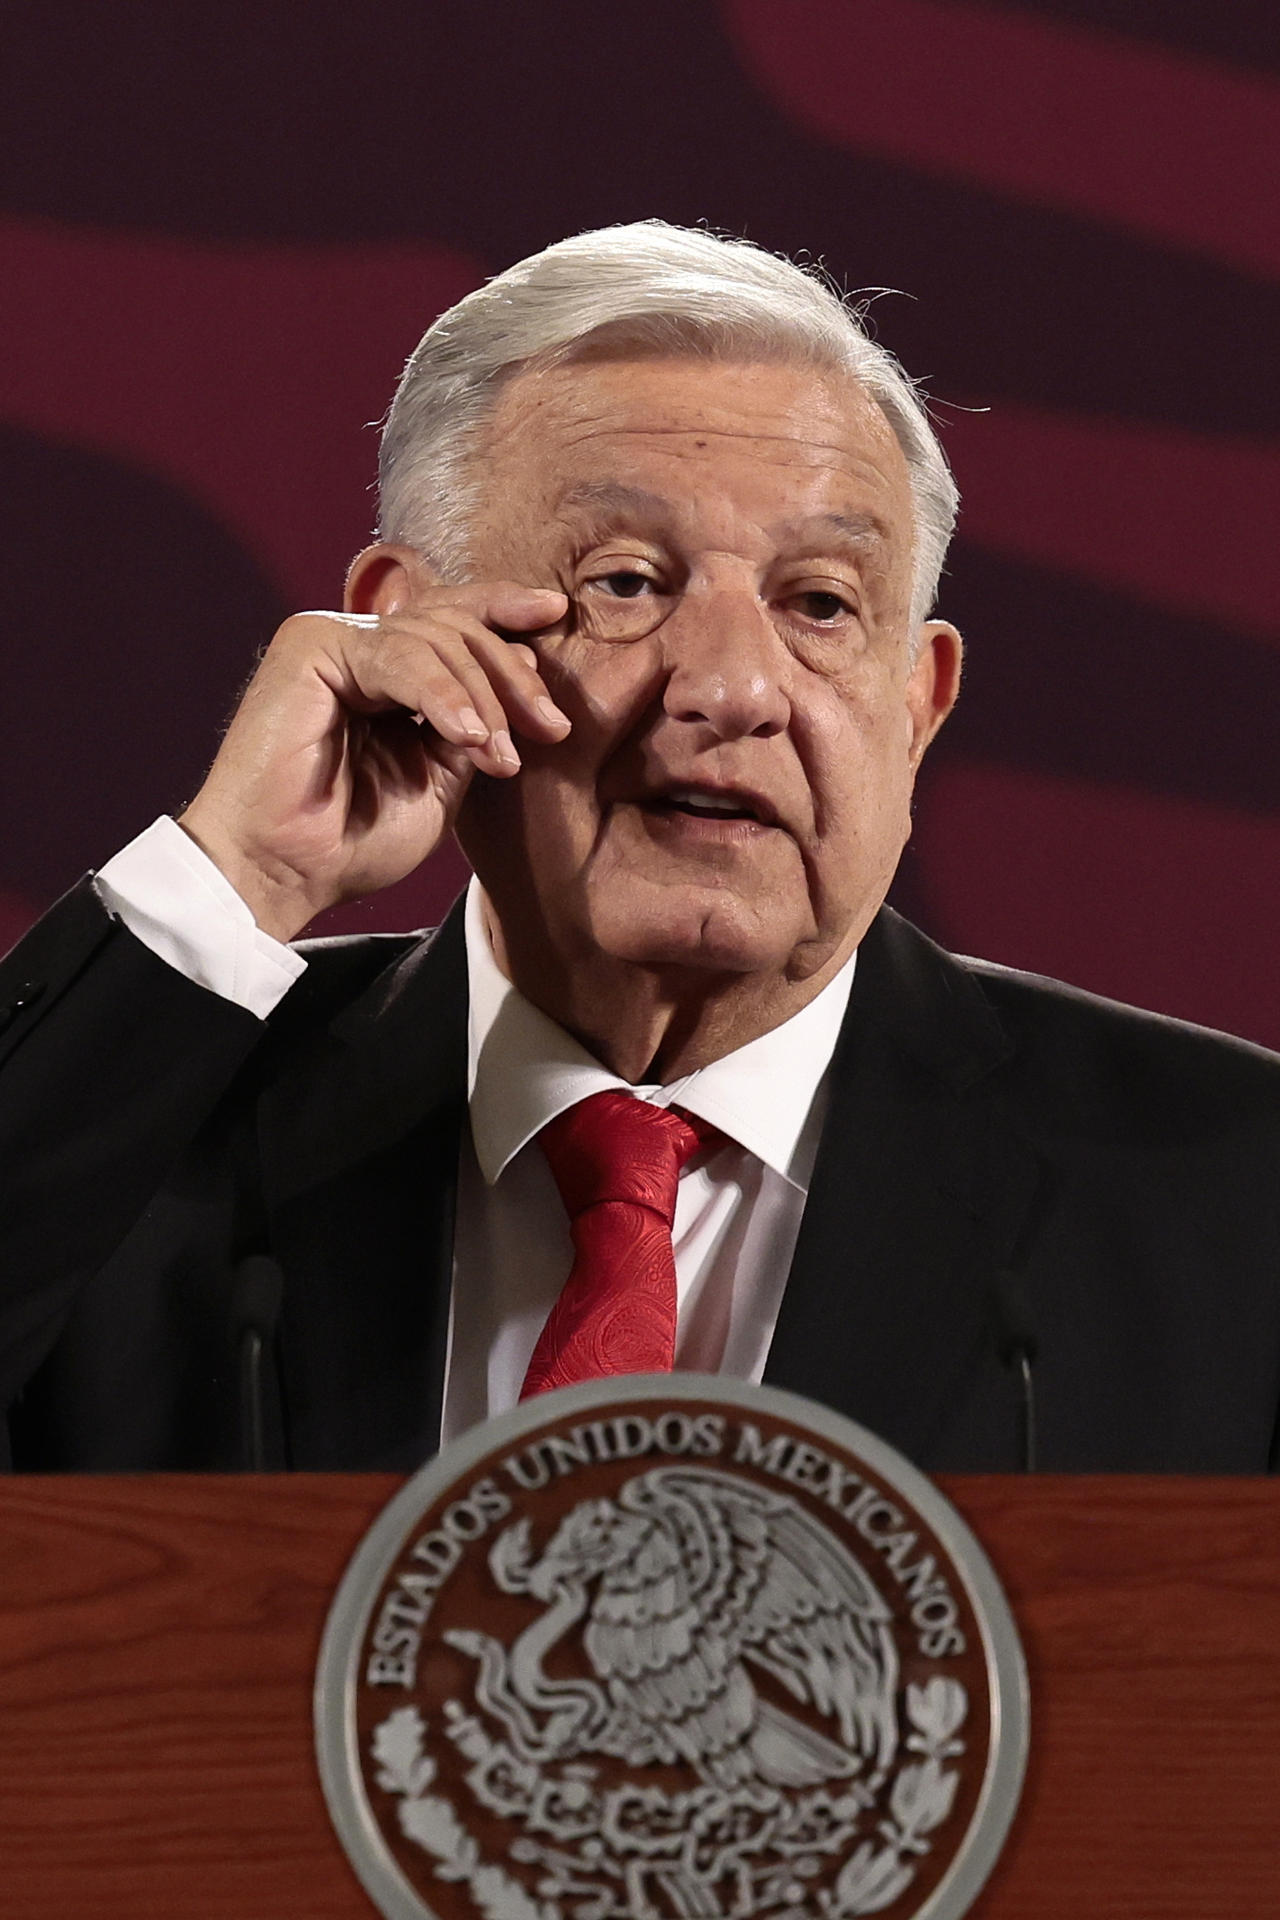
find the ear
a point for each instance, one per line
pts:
(933, 683)
(385, 578)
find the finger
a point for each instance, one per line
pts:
(499, 603)
(450, 694)
(512, 672)
(451, 672)
(449, 666)
(371, 668)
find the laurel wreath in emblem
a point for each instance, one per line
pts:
(683, 1591)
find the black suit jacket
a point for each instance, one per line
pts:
(1124, 1168)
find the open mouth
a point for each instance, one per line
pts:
(700, 803)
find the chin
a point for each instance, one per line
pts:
(717, 934)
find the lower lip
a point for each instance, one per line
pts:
(715, 829)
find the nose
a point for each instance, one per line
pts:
(727, 669)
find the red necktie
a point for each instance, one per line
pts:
(616, 1161)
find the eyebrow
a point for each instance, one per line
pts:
(610, 501)
(864, 533)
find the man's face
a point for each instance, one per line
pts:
(736, 544)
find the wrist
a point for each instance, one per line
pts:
(275, 895)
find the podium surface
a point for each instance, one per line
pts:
(158, 1638)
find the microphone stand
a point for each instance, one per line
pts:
(1018, 1345)
(256, 1297)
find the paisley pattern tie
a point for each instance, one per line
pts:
(616, 1161)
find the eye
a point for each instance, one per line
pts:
(624, 583)
(823, 606)
(621, 601)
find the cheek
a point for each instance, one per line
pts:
(838, 727)
(609, 694)
(526, 837)
(547, 818)
(602, 686)
(854, 745)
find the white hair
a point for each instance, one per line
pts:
(651, 288)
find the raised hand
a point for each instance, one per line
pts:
(357, 737)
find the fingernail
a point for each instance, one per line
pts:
(551, 713)
(504, 747)
(470, 722)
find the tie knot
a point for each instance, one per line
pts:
(612, 1146)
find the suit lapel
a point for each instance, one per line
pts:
(359, 1145)
(918, 1196)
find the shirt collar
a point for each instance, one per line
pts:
(523, 1069)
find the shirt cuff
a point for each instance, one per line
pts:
(174, 899)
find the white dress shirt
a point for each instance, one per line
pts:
(737, 1213)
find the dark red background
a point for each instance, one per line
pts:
(222, 229)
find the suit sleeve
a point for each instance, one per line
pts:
(110, 1062)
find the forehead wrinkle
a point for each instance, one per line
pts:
(611, 503)
(835, 453)
(595, 510)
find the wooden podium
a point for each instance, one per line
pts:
(158, 1637)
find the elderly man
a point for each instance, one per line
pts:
(648, 628)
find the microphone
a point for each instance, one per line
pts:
(256, 1296)
(1017, 1343)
